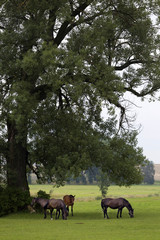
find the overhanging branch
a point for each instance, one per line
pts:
(144, 92)
(127, 64)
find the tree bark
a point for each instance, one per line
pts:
(16, 158)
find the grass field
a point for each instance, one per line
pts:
(88, 222)
(91, 192)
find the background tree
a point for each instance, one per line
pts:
(148, 173)
(92, 173)
(103, 183)
(61, 62)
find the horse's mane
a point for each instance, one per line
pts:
(125, 200)
(129, 205)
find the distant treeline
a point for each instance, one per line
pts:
(91, 176)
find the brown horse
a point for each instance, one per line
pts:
(69, 201)
(119, 203)
(51, 204)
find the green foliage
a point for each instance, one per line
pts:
(43, 194)
(13, 200)
(124, 168)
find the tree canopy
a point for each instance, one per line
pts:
(61, 62)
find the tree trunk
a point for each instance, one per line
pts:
(16, 158)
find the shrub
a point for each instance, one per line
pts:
(43, 194)
(13, 200)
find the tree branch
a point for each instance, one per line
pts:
(67, 26)
(143, 93)
(127, 64)
(33, 169)
(122, 109)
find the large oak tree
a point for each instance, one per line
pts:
(60, 63)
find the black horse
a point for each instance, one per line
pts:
(51, 204)
(119, 203)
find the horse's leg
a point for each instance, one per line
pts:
(58, 213)
(67, 207)
(121, 212)
(62, 213)
(118, 212)
(72, 209)
(45, 214)
(106, 212)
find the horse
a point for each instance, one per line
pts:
(119, 203)
(51, 204)
(42, 202)
(58, 204)
(69, 201)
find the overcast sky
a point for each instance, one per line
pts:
(148, 120)
(148, 115)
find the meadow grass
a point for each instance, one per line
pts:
(91, 192)
(88, 222)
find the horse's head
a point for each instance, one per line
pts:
(72, 198)
(30, 208)
(131, 213)
(65, 214)
(33, 202)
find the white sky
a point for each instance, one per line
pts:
(148, 120)
(148, 115)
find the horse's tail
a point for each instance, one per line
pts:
(47, 204)
(102, 205)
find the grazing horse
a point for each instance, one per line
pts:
(58, 204)
(69, 201)
(51, 204)
(42, 202)
(119, 203)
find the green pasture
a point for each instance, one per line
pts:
(88, 222)
(91, 192)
